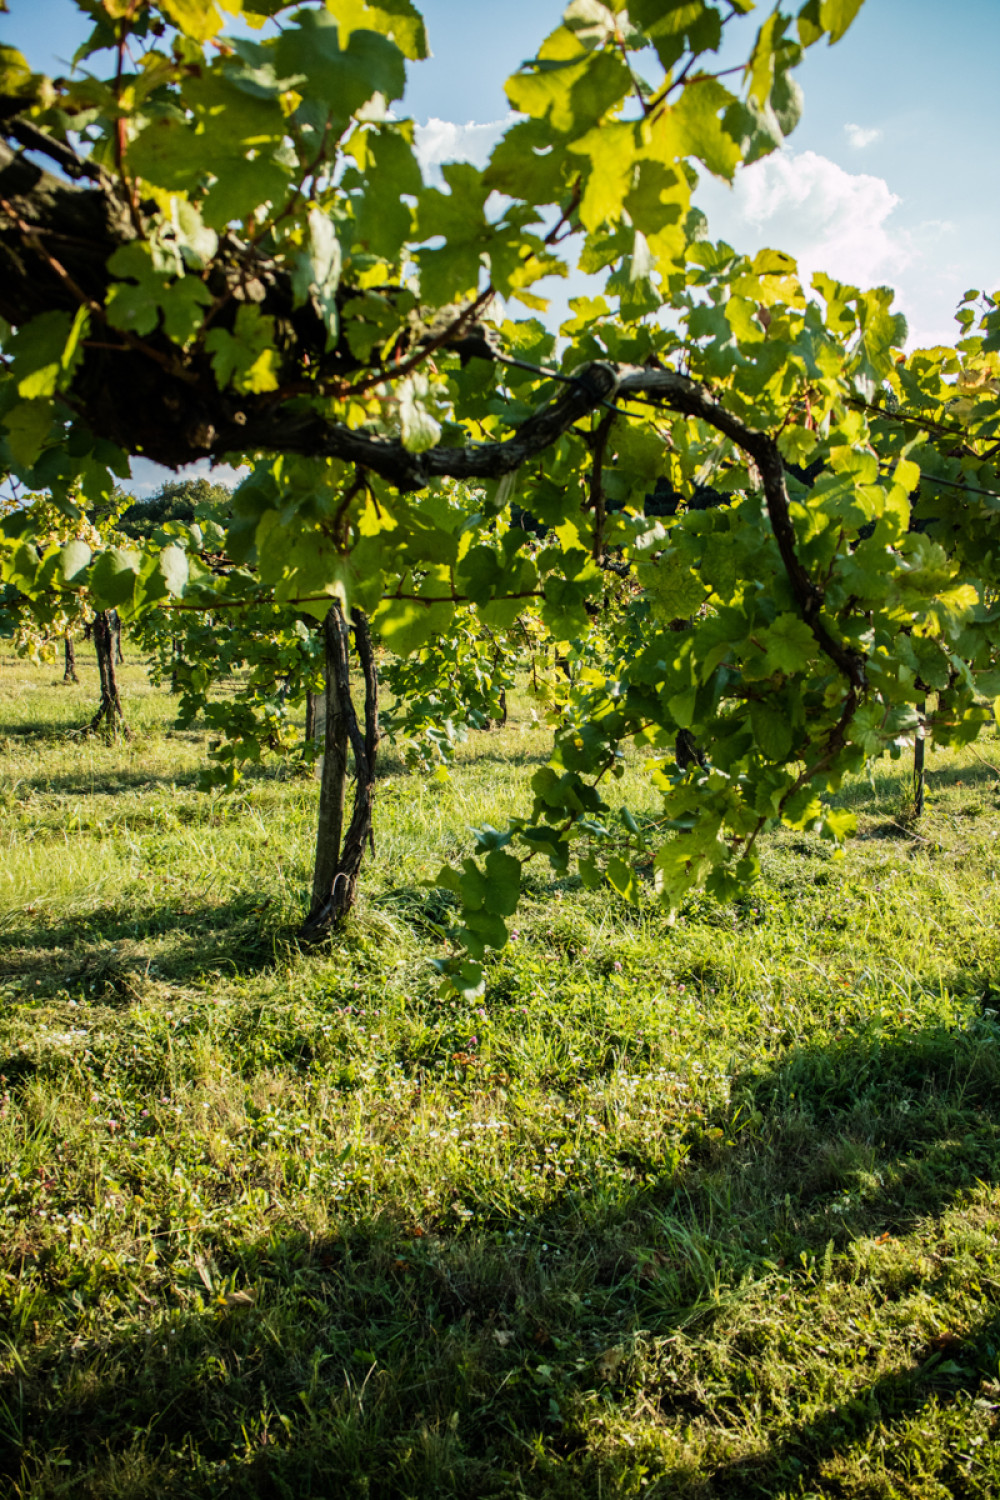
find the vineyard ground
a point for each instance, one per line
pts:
(709, 1210)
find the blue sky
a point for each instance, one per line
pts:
(893, 176)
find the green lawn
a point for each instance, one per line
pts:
(709, 1210)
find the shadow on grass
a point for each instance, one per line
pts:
(495, 1357)
(112, 780)
(970, 776)
(237, 937)
(108, 781)
(895, 783)
(50, 729)
(476, 755)
(941, 1371)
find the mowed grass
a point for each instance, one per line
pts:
(708, 1210)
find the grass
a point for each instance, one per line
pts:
(705, 1211)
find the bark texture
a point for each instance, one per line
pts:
(110, 711)
(333, 778)
(340, 854)
(69, 675)
(360, 831)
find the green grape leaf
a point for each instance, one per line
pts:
(418, 429)
(907, 474)
(771, 730)
(789, 644)
(136, 302)
(383, 221)
(133, 308)
(838, 824)
(16, 78)
(685, 861)
(473, 887)
(198, 19)
(74, 560)
(183, 303)
(658, 203)
(169, 153)
(702, 133)
(46, 351)
(451, 271)
(867, 728)
(309, 56)
(245, 358)
(836, 16)
(242, 184)
(28, 424)
(462, 978)
(787, 100)
(503, 883)
(161, 575)
(399, 20)
(406, 624)
(933, 664)
(882, 333)
(610, 150)
(677, 591)
(113, 577)
(796, 444)
(528, 163)
(480, 574)
(719, 564)
(761, 66)
(573, 94)
(172, 564)
(622, 878)
(316, 273)
(671, 28)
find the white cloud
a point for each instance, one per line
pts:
(860, 137)
(149, 478)
(443, 140)
(846, 224)
(829, 219)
